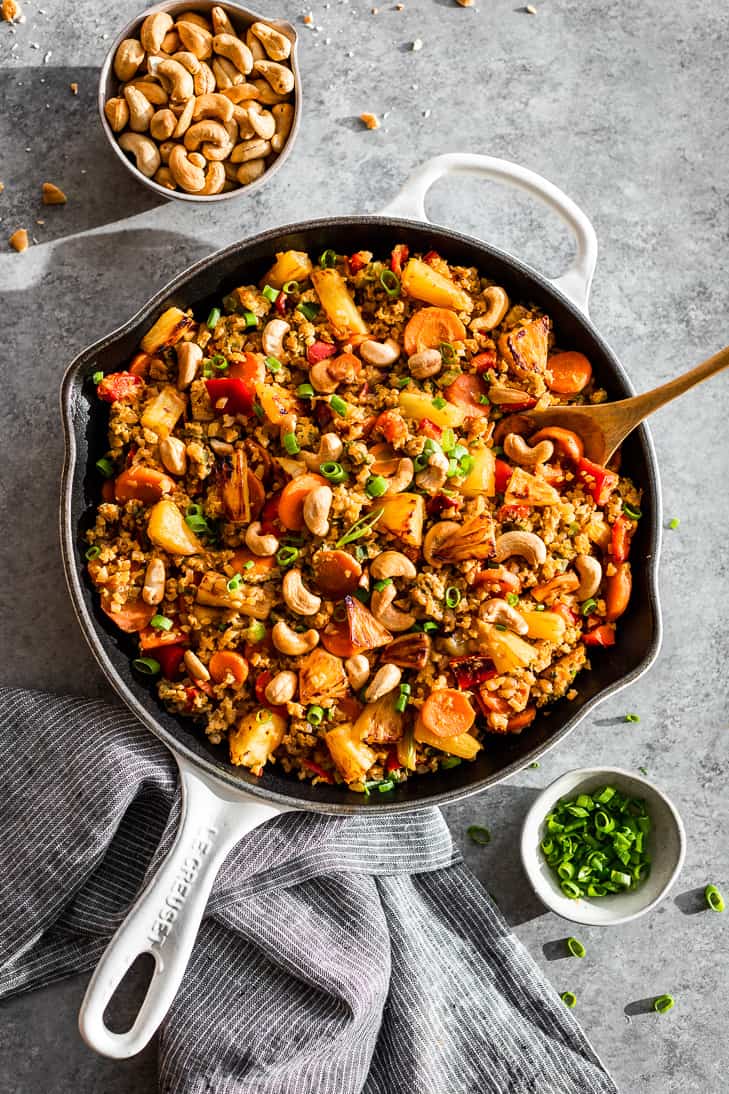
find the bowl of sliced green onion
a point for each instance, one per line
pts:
(602, 846)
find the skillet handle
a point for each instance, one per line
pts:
(165, 919)
(410, 202)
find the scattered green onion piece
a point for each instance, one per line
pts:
(258, 411)
(466, 463)
(448, 352)
(512, 599)
(401, 381)
(674, 523)
(256, 632)
(390, 283)
(234, 584)
(207, 371)
(385, 785)
(575, 947)
(429, 627)
(328, 259)
(362, 595)
(631, 511)
(360, 528)
(146, 665)
(714, 898)
(193, 511)
(663, 1003)
(98, 377)
(306, 391)
(106, 467)
(382, 584)
(219, 362)
(535, 764)
(251, 318)
(643, 770)
(573, 528)
(632, 717)
(376, 486)
(263, 715)
(405, 689)
(478, 834)
(273, 363)
(93, 552)
(484, 400)
(290, 443)
(499, 626)
(286, 556)
(452, 596)
(315, 715)
(270, 293)
(339, 406)
(401, 704)
(421, 461)
(161, 623)
(588, 606)
(290, 287)
(333, 471)
(213, 318)
(309, 310)
(450, 761)
(248, 565)
(570, 889)
(439, 402)
(448, 441)
(568, 998)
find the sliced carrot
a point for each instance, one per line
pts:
(133, 616)
(242, 556)
(226, 663)
(466, 391)
(447, 713)
(520, 721)
(107, 490)
(570, 373)
(293, 496)
(431, 326)
(140, 364)
(142, 483)
(249, 367)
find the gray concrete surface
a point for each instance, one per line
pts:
(624, 106)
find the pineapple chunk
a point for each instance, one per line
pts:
(463, 745)
(289, 266)
(167, 529)
(380, 723)
(526, 489)
(167, 331)
(481, 479)
(547, 625)
(414, 405)
(403, 517)
(422, 282)
(276, 402)
(253, 742)
(162, 413)
(342, 312)
(525, 347)
(507, 650)
(321, 677)
(351, 755)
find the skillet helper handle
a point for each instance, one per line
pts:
(165, 919)
(410, 202)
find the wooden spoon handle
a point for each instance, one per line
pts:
(659, 396)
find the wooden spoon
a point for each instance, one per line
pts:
(604, 426)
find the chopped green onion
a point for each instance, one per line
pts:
(632, 717)
(466, 464)
(642, 771)
(362, 595)
(194, 511)
(450, 761)
(219, 362)
(421, 462)
(401, 704)
(499, 626)
(568, 998)
(315, 715)
(588, 606)
(98, 377)
(263, 715)
(248, 565)
(714, 898)
(380, 585)
(92, 553)
(390, 283)
(478, 834)
(333, 471)
(376, 486)
(270, 293)
(291, 444)
(251, 318)
(429, 627)
(570, 889)
(448, 352)
(161, 623)
(306, 391)
(448, 441)
(573, 528)
(258, 411)
(631, 511)
(405, 689)
(146, 665)
(401, 381)
(256, 632)
(535, 764)
(663, 1003)
(234, 584)
(309, 310)
(106, 467)
(290, 287)
(674, 523)
(360, 528)
(512, 598)
(439, 402)
(273, 363)
(286, 556)
(575, 947)
(385, 785)
(452, 596)
(339, 406)
(213, 318)
(484, 400)
(207, 371)
(328, 259)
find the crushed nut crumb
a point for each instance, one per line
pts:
(2, 187)
(530, 10)
(308, 19)
(370, 120)
(53, 195)
(74, 88)
(19, 240)
(465, 3)
(417, 45)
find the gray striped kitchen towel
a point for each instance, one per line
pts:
(336, 955)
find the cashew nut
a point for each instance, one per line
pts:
(173, 455)
(233, 49)
(521, 452)
(282, 688)
(283, 115)
(497, 305)
(402, 477)
(424, 364)
(173, 76)
(254, 44)
(243, 121)
(171, 42)
(165, 150)
(432, 478)
(184, 119)
(505, 395)
(383, 682)
(195, 17)
(190, 175)
(249, 172)
(322, 379)
(210, 137)
(155, 576)
(117, 113)
(214, 179)
(221, 22)
(498, 611)
(265, 94)
(380, 354)
(392, 564)
(221, 448)
(330, 449)
(162, 124)
(528, 545)
(151, 90)
(153, 30)
(213, 106)
(590, 572)
(197, 39)
(383, 610)
(145, 152)
(276, 44)
(189, 61)
(189, 356)
(204, 80)
(227, 75)
(272, 338)
(435, 537)
(250, 150)
(278, 76)
(164, 177)
(316, 510)
(358, 671)
(195, 667)
(261, 121)
(129, 57)
(262, 545)
(297, 596)
(141, 110)
(289, 642)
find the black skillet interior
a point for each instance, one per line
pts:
(203, 286)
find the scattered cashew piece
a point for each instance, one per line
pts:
(262, 545)
(497, 306)
(145, 152)
(330, 449)
(385, 680)
(316, 510)
(392, 564)
(287, 641)
(272, 338)
(428, 362)
(153, 591)
(521, 452)
(380, 354)
(358, 671)
(281, 688)
(497, 610)
(528, 545)
(590, 573)
(189, 356)
(384, 612)
(298, 598)
(173, 455)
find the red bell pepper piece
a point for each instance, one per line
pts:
(503, 473)
(604, 635)
(439, 502)
(431, 257)
(170, 659)
(621, 536)
(400, 254)
(270, 524)
(315, 769)
(319, 351)
(430, 429)
(356, 262)
(239, 396)
(472, 671)
(392, 425)
(512, 512)
(392, 763)
(499, 576)
(280, 303)
(119, 387)
(482, 362)
(492, 704)
(567, 614)
(599, 481)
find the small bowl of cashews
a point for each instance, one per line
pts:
(200, 100)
